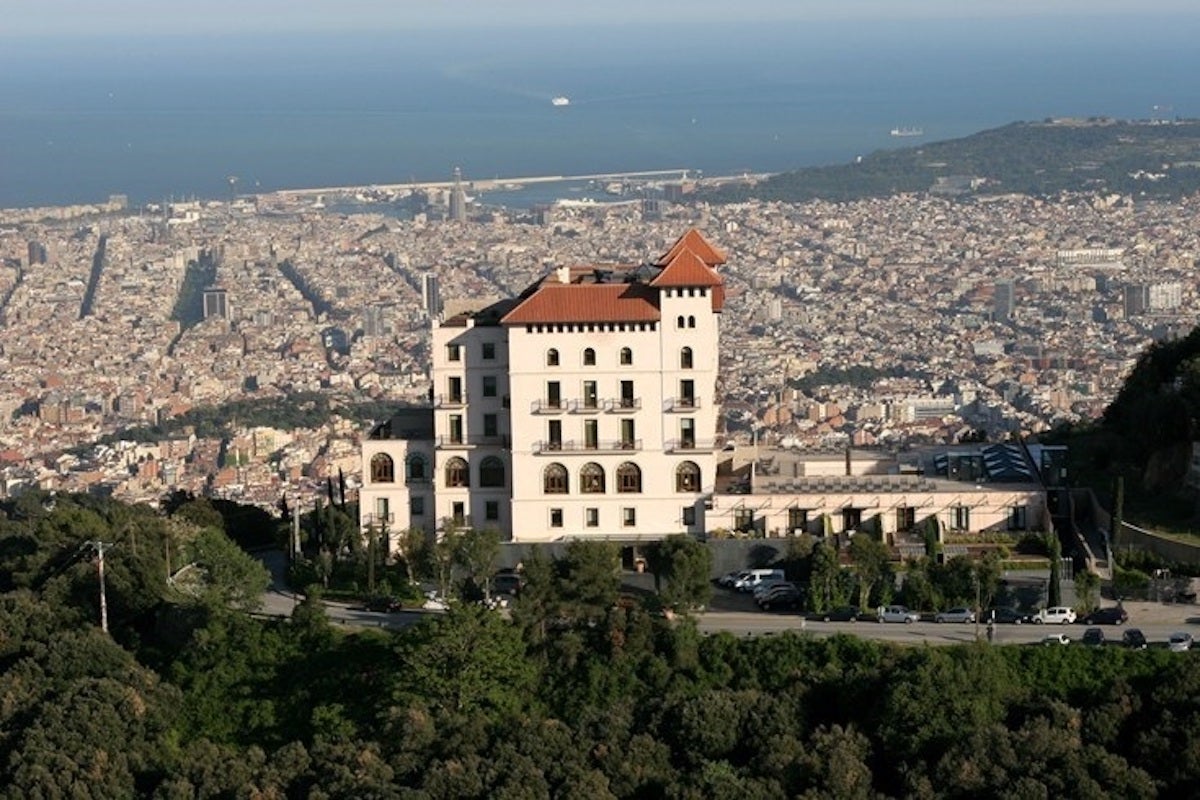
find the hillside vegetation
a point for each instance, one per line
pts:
(1152, 159)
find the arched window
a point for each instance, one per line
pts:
(691, 322)
(626, 356)
(591, 479)
(416, 469)
(685, 358)
(554, 479)
(383, 469)
(679, 322)
(457, 473)
(491, 472)
(687, 477)
(629, 477)
(551, 357)
(589, 357)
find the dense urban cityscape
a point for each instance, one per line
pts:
(888, 322)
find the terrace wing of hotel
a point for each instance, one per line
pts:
(587, 408)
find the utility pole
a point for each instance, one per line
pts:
(99, 546)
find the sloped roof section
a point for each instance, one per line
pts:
(693, 240)
(686, 269)
(575, 302)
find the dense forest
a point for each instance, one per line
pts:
(1040, 158)
(582, 693)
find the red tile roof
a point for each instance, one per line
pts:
(686, 269)
(694, 241)
(585, 302)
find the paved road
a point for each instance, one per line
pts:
(738, 615)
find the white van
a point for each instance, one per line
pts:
(754, 577)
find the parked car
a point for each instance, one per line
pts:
(1056, 639)
(1179, 642)
(785, 596)
(730, 578)
(897, 614)
(1134, 639)
(754, 577)
(955, 615)
(1113, 615)
(840, 614)
(435, 602)
(509, 583)
(1055, 615)
(767, 586)
(1007, 616)
(1093, 637)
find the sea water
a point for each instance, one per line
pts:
(177, 117)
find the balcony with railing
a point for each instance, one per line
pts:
(474, 440)
(374, 519)
(551, 447)
(687, 445)
(586, 405)
(459, 521)
(453, 400)
(547, 406)
(681, 404)
(623, 405)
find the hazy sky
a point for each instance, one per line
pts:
(21, 18)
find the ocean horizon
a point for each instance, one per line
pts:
(175, 118)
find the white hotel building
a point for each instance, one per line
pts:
(585, 407)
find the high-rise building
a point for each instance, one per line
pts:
(585, 407)
(216, 303)
(431, 296)
(1002, 301)
(458, 199)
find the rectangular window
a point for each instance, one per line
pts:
(962, 518)
(591, 434)
(627, 434)
(554, 434)
(491, 510)
(629, 517)
(382, 510)
(689, 515)
(556, 518)
(589, 394)
(626, 394)
(591, 517)
(453, 352)
(797, 520)
(489, 385)
(743, 519)
(553, 394)
(687, 432)
(416, 506)
(1018, 518)
(687, 393)
(458, 511)
(454, 389)
(491, 425)
(489, 351)
(456, 429)
(906, 518)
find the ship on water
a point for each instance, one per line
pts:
(908, 132)
(561, 100)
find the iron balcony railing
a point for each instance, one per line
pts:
(575, 446)
(450, 400)
(675, 404)
(618, 405)
(686, 445)
(474, 440)
(547, 406)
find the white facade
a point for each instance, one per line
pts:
(584, 408)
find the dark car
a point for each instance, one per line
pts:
(1134, 639)
(383, 603)
(1093, 637)
(841, 614)
(1007, 616)
(1113, 615)
(509, 583)
(782, 596)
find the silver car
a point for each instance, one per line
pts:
(955, 615)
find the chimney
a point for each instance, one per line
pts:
(564, 274)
